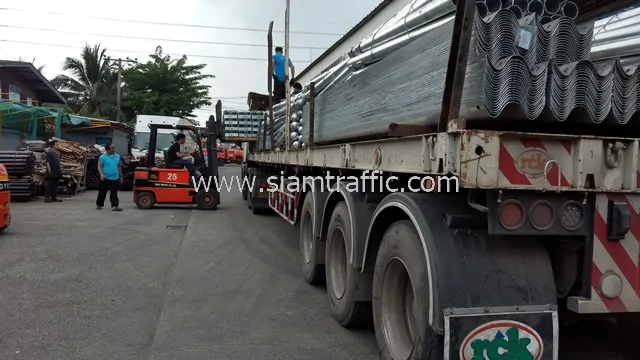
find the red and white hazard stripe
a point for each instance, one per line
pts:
(620, 257)
(522, 162)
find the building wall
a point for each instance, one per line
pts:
(11, 77)
(90, 136)
(380, 18)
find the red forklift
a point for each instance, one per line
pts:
(172, 185)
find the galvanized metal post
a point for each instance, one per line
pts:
(457, 67)
(287, 119)
(270, 121)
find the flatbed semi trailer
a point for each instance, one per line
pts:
(486, 238)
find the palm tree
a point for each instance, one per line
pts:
(91, 83)
(33, 62)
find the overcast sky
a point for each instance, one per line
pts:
(60, 36)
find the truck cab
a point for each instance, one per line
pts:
(165, 137)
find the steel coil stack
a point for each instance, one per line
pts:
(128, 171)
(23, 189)
(92, 177)
(19, 165)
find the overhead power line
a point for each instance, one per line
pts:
(145, 52)
(153, 39)
(167, 24)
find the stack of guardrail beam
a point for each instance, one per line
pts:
(530, 56)
(617, 39)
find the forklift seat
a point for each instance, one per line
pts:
(169, 166)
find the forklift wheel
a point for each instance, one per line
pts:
(145, 200)
(206, 200)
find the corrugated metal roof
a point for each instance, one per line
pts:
(48, 92)
(353, 30)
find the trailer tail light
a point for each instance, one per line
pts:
(571, 215)
(511, 214)
(541, 215)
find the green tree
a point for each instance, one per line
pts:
(164, 86)
(90, 87)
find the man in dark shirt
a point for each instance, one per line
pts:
(176, 157)
(53, 174)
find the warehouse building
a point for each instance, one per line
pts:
(383, 12)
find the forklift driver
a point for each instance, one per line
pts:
(177, 158)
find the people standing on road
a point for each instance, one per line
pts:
(111, 177)
(178, 158)
(279, 79)
(53, 174)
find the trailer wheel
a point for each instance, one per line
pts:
(340, 275)
(400, 296)
(310, 246)
(145, 200)
(248, 198)
(244, 185)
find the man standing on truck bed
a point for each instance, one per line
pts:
(279, 86)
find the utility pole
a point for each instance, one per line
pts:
(287, 13)
(119, 62)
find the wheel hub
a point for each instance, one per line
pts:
(307, 237)
(338, 264)
(397, 310)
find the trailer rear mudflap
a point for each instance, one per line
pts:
(524, 332)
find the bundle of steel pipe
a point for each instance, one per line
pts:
(528, 54)
(617, 36)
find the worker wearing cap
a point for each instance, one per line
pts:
(297, 88)
(279, 79)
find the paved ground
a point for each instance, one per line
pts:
(76, 283)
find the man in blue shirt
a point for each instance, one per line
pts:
(111, 176)
(279, 89)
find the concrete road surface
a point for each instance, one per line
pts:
(168, 284)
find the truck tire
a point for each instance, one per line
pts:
(340, 275)
(486, 271)
(248, 197)
(243, 176)
(310, 246)
(400, 258)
